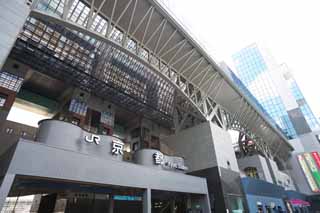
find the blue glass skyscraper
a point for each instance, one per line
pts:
(275, 89)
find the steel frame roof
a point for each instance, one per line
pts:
(146, 32)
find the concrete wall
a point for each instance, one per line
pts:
(266, 172)
(70, 165)
(223, 148)
(195, 145)
(297, 144)
(67, 136)
(280, 178)
(13, 14)
(286, 181)
(258, 162)
(204, 146)
(310, 142)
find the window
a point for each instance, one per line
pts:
(75, 121)
(135, 133)
(10, 81)
(251, 172)
(78, 107)
(9, 130)
(228, 164)
(23, 134)
(135, 146)
(3, 99)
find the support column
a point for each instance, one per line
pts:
(172, 206)
(206, 203)
(13, 15)
(147, 201)
(111, 204)
(5, 188)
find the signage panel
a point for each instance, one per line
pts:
(316, 158)
(308, 174)
(313, 168)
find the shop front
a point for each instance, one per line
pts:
(263, 197)
(68, 169)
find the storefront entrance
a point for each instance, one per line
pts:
(29, 194)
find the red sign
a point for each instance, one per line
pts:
(316, 157)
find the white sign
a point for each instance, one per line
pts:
(117, 147)
(158, 158)
(93, 139)
(161, 159)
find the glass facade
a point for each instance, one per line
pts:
(250, 64)
(249, 95)
(253, 69)
(303, 105)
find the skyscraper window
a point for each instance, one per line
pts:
(260, 74)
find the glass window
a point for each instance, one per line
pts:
(251, 172)
(78, 107)
(135, 133)
(75, 121)
(10, 81)
(236, 204)
(9, 130)
(3, 99)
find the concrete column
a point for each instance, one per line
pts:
(147, 201)
(111, 204)
(13, 15)
(172, 206)
(5, 188)
(206, 203)
(189, 202)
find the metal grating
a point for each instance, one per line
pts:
(96, 67)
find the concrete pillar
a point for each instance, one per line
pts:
(206, 203)
(147, 201)
(5, 188)
(172, 206)
(189, 202)
(13, 15)
(111, 204)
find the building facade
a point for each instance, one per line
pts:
(129, 114)
(276, 90)
(265, 180)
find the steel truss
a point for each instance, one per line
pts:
(114, 36)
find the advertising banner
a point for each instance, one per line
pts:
(313, 168)
(316, 158)
(308, 174)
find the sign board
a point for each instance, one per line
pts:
(307, 173)
(92, 139)
(166, 161)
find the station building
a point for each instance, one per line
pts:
(134, 115)
(276, 90)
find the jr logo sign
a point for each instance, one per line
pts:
(93, 139)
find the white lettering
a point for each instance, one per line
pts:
(117, 147)
(158, 158)
(93, 139)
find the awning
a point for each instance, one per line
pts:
(297, 202)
